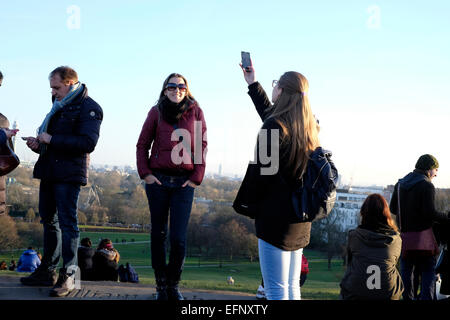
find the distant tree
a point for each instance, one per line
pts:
(9, 238)
(130, 182)
(442, 200)
(97, 214)
(233, 237)
(94, 218)
(82, 219)
(250, 246)
(30, 216)
(328, 236)
(34, 234)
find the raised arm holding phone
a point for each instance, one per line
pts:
(281, 238)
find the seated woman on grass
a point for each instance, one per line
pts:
(373, 252)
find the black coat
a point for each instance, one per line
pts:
(270, 195)
(85, 262)
(75, 130)
(3, 140)
(417, 196)
(104, 268)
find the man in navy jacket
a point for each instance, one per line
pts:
(68, 134)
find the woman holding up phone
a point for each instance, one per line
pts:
(281, 238)
(175, 132)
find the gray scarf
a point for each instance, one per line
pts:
(75, 89)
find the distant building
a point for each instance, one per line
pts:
(347, 207)
(387, 192)
(349, 202)
(203, 200)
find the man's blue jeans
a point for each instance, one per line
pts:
(58, 211)
(170, 197)
(426, 268)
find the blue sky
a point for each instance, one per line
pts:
(379, 72)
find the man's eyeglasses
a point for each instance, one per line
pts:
(174, 86)
(274, 83)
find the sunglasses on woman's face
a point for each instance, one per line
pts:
(174, 86)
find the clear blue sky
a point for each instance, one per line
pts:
(379, 72)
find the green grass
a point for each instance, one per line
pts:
(321, 284)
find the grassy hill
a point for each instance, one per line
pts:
(211, 273)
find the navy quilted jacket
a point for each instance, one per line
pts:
(75, 130)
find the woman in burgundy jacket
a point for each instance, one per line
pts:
(175, 134)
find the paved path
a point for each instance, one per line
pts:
(12, 289)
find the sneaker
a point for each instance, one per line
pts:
(64, 285)
(260, 293)
(42, 276)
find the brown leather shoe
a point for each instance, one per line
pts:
(42, 276)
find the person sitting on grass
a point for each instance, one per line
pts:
(28, 261)
(374, 249)
(85, 255)
(12, 265)
(105, 262)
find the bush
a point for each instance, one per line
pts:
(9, 238)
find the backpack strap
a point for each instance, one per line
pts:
(398, 205)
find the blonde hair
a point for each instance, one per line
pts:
(299, 126)
(107, 244)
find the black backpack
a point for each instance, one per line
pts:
(128, 274)
(314, 196)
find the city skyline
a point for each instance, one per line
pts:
(378, 71)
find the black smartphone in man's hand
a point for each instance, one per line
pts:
(246, 61)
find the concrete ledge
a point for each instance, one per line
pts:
(12, 289)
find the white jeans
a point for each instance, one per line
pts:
(281, 271)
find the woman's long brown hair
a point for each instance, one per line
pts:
(375, 211)
(293, 113)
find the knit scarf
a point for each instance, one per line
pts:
(172, 112)
(74, 90)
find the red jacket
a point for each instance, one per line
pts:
(168, 155)
(305, 266)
